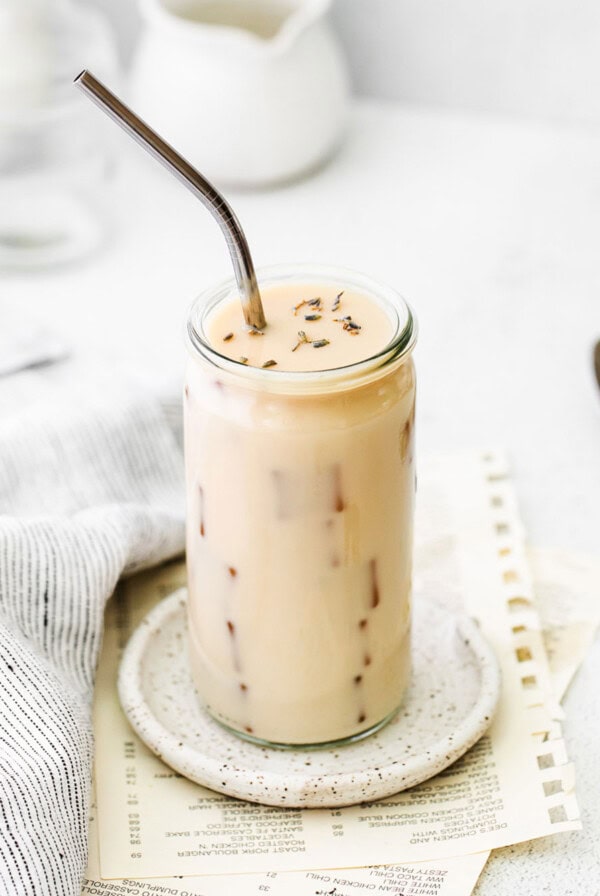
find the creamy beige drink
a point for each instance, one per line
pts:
(300, 505)
(310, 327)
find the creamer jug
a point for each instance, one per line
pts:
(252, 91)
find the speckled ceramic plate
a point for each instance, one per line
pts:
(449, 705)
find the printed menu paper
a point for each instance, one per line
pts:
(447, 877)
(567, 590)
(514, 785)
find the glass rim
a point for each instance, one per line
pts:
(397, 349)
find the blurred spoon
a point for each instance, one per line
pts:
(597, 361)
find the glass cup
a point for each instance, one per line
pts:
(300, 491)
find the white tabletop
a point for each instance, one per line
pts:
(490, 229)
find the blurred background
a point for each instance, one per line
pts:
(256, 92)
(535, 58)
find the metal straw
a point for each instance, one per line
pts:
(194, 181)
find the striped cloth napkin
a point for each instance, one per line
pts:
(91, 488)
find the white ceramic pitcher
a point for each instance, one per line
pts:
(251, 91)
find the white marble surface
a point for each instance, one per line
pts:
(491, 230)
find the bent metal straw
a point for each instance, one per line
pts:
(191, 178)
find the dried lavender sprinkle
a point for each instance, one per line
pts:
(302, 337)
(270, 363)
(338, 299)
(319, 343)
(228, 337)
(312, 317)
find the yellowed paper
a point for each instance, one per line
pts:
(566, 588)
(568, 594)
(447, 877)
(511, 786)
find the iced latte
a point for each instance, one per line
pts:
(300, 484)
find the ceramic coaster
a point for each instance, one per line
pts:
(449, 705)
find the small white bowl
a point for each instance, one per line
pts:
(449, 705)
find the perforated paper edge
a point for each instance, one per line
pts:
(542, 710)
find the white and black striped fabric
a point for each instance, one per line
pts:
(91, 488)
